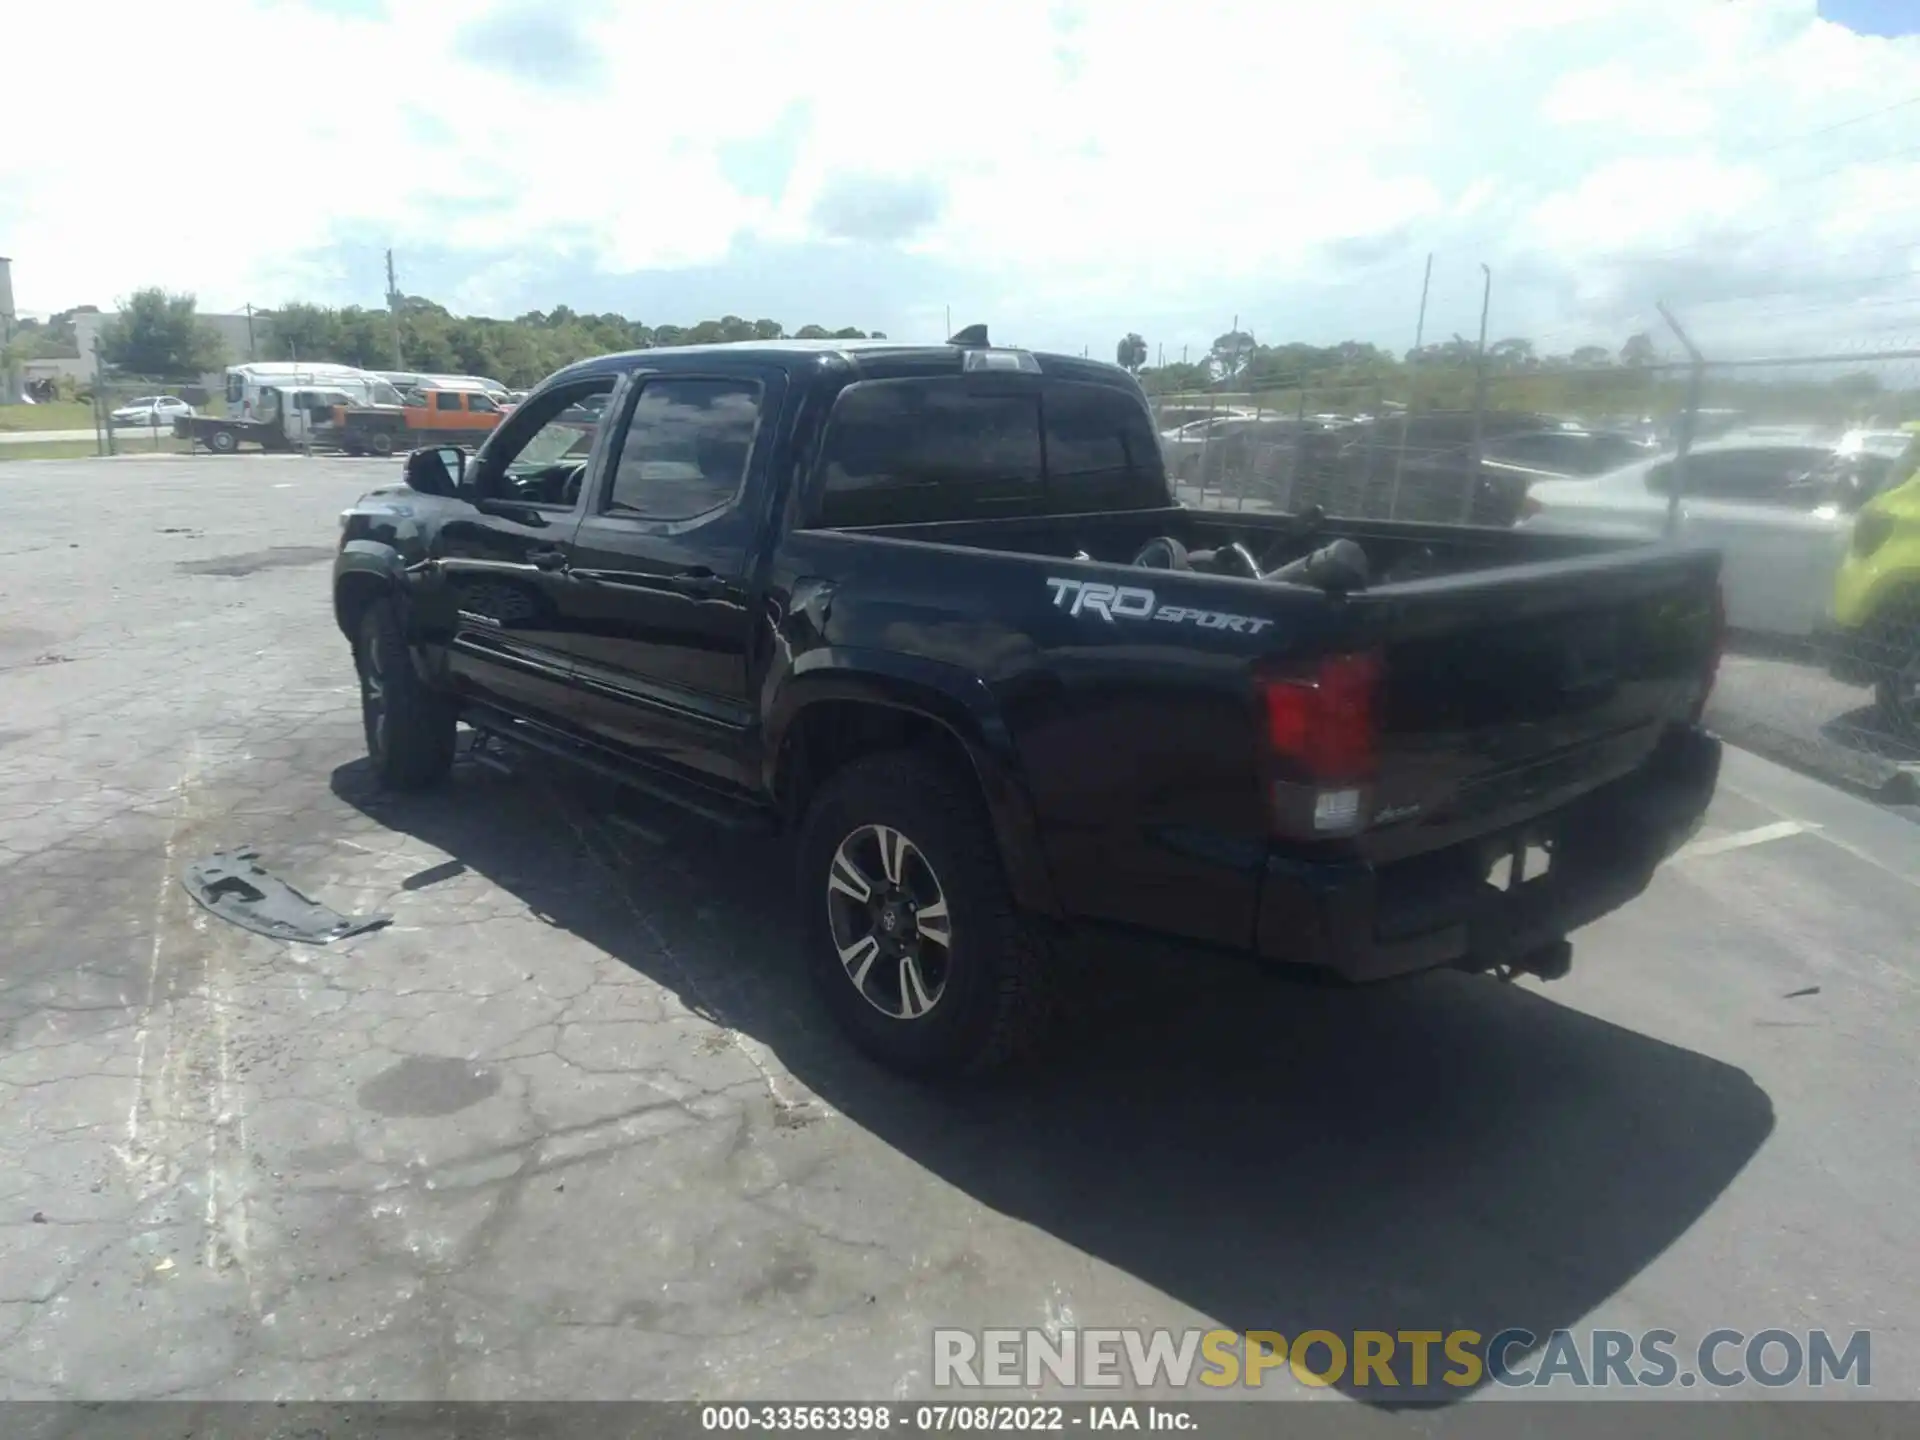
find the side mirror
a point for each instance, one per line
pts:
(438, 470)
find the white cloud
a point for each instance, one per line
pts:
(1078, 168)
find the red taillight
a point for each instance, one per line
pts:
(1324, 721)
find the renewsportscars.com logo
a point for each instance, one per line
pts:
(1378, 1359)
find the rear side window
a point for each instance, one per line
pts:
(910, 451)
(1102, 453)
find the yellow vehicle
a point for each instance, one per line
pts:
(1874, 636)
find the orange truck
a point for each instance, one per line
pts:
(449, 414)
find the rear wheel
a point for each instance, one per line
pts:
(223, 442)
(913, 940)
(380, 443)
(409, 726)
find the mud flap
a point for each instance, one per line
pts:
(239, 891)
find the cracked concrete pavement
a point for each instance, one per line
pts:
(571, 1126)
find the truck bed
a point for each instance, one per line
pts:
(1516, 673)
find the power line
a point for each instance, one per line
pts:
(1801, 139)
(1810, 288)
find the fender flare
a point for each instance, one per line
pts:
(953, 698)
(369, 558)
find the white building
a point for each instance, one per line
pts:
(245, 338)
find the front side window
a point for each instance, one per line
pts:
(446, 400)
(909, 451)
(538, 455)
(686, 447)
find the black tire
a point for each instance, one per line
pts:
(223, 442)
(994, 1001)
(409, 726)
(380, 443)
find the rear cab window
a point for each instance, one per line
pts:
(968, 447)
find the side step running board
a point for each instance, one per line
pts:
(511, 730)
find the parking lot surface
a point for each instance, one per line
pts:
(572, 1127)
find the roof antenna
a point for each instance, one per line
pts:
(973, 337)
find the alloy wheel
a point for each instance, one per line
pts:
(373, 696)
(888, 917)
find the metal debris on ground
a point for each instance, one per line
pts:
(237, 889)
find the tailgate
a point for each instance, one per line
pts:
(1506, 693)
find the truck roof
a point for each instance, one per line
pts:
(891, 357)
(316, 368)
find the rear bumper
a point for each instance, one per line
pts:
(1372, 923)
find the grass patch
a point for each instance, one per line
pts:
(87, 450)
(60, 415)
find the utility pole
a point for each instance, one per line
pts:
(102, 404)
(1406, 415)
(393, 312)
(1479, 389)
(1689, 419)
(250, 349)
(949, 322)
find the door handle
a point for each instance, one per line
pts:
(700, 583)
(548, 559)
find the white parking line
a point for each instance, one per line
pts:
(1741, 839)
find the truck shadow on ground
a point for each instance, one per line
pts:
(1446, 1153)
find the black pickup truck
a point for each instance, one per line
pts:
(932, 609)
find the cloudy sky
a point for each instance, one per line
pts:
(1065, 171)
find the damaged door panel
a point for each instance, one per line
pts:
(234, 886)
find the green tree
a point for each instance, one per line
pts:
(297, 330)
(1175, 378)
(1514, 354)
(1638, 350)
(161, 335)
(1131, 353)
(1231, 352)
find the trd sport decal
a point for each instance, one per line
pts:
(1131, 602)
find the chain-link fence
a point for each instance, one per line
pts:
(135, 416)
(1448, 445)
(1799, 471)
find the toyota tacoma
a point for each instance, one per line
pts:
(933, 611)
